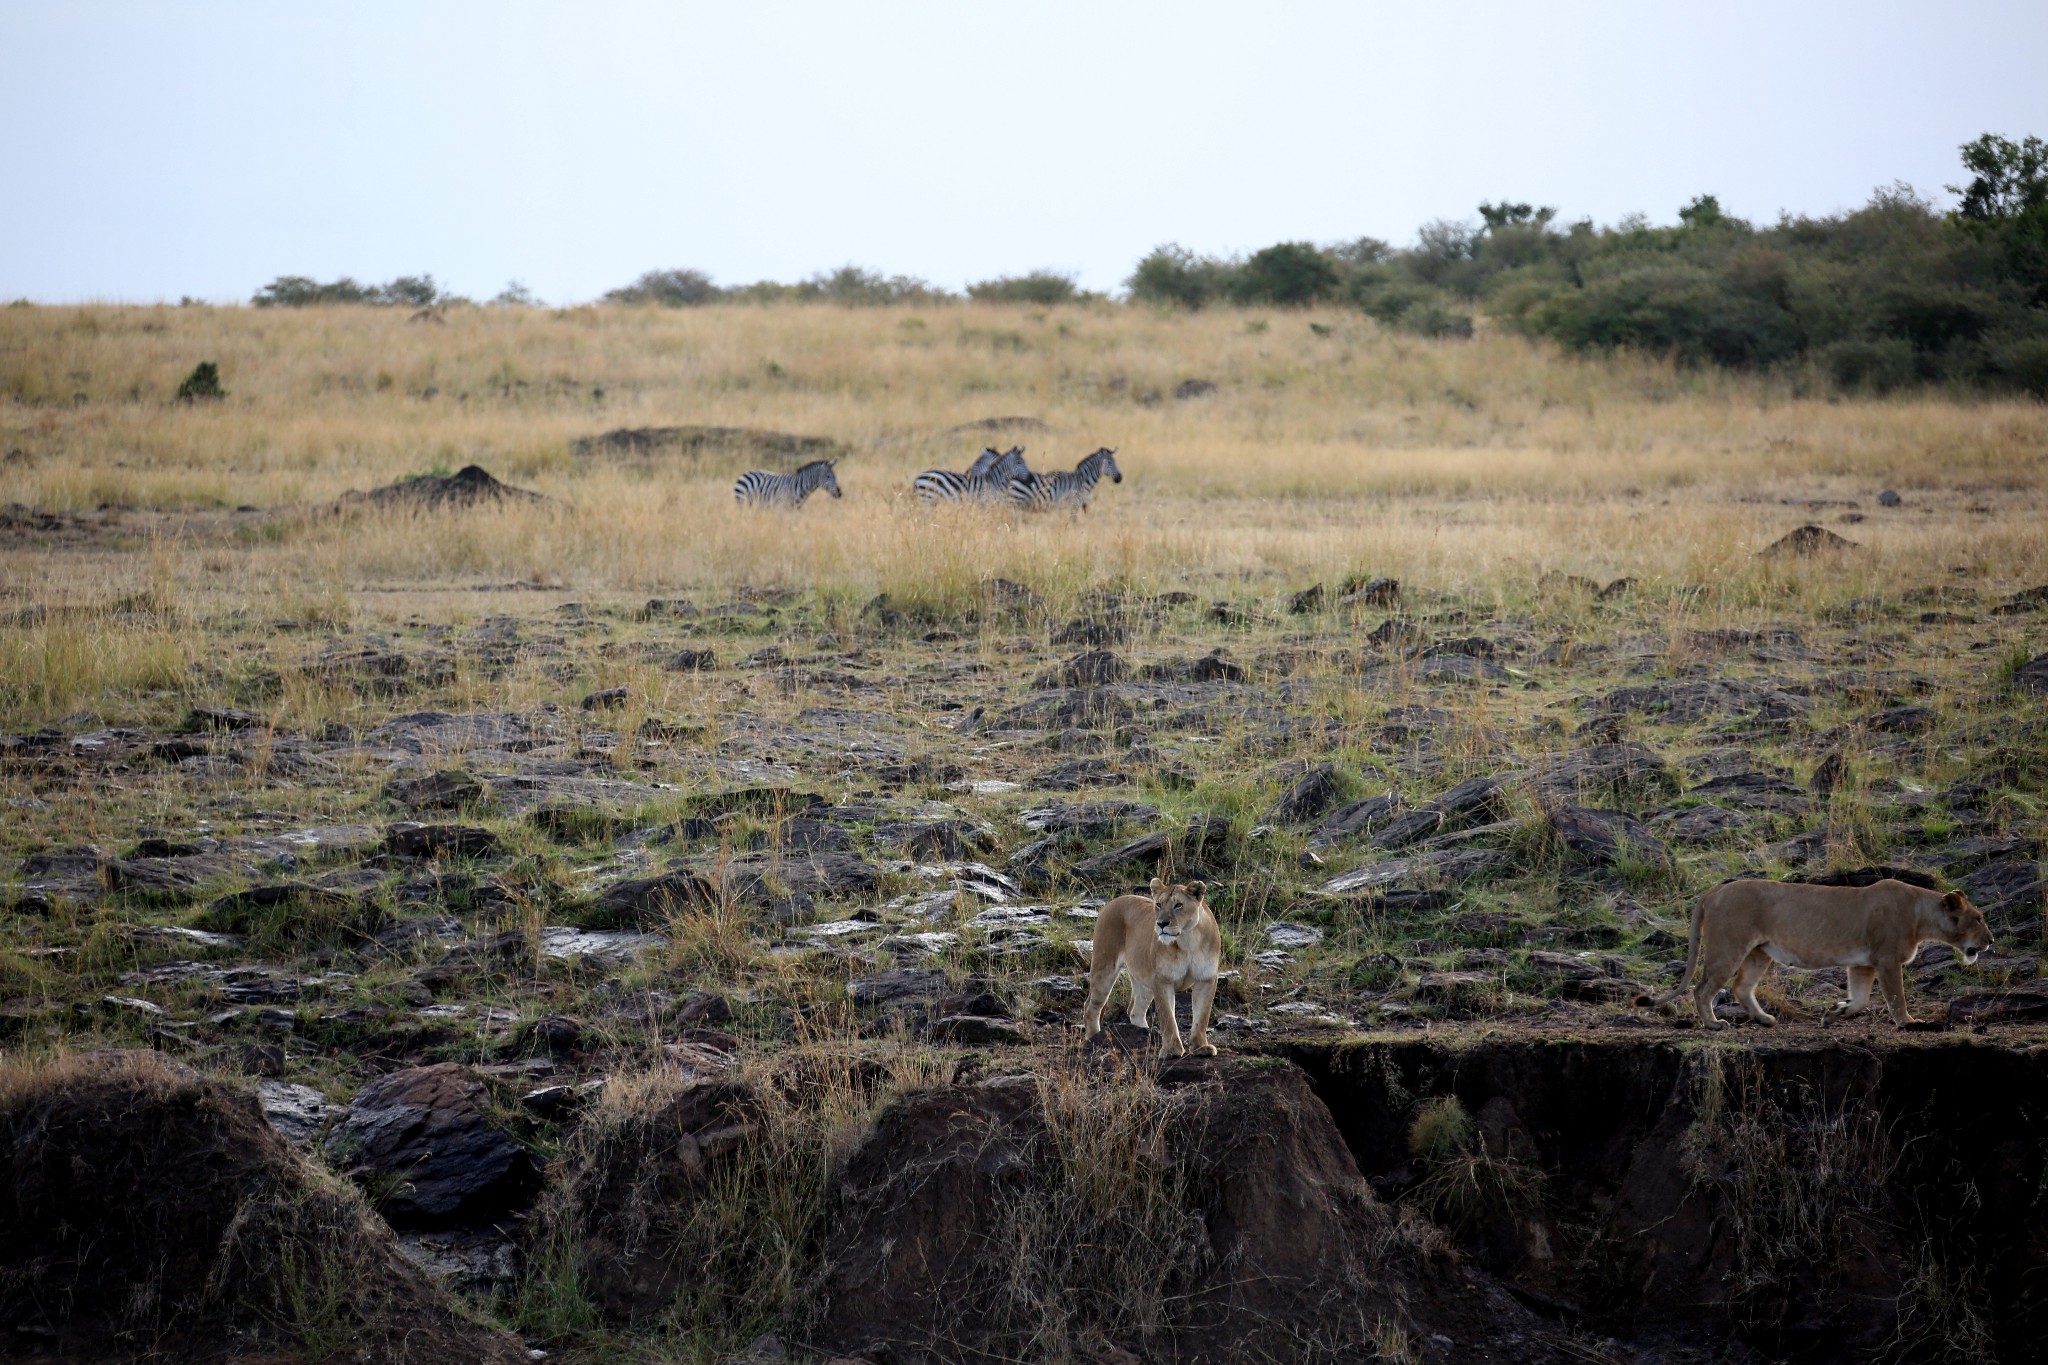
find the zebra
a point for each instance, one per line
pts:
(988, 479)
(1066, 488)
(759, 488)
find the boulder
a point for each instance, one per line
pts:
(1314, 792)
(1603, 837)
(423, 1139)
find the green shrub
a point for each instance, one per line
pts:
(1172, 274)
(668, 289)
(202, 385)
(1040, 286)
(1871, 366)
(1291, 274)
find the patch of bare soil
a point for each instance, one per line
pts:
(147, 1212)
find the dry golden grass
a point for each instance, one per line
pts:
(1469, 467)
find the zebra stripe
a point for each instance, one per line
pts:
(759, 488)
(1066, 488)
(988, 479)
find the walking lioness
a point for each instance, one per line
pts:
(1740, 928)
(1166, 941)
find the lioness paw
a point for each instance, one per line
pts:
(1206, 1050)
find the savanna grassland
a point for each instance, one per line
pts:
(1455, 668)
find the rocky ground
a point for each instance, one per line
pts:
(434, 886)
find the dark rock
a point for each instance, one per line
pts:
(1396, 632)
(201, 718)
(1312, 794)
(1092, 634)
(2014, 1004)
(690, 661)
(667, 609)
(1458, 806)
(1901, 720)
(974, 1030)
(452, 789)
(949, 839)
(1306, 601)
(1175, 853)
(2028, 599)
(1193, 388)
(1088, 819)
(1617, 588)
(1808, 540)
(1755, 791)
(411, 839)
(606, 699)
(1829, 774)
(1373, 592)
(1212, 667)
(1357, 818)
(895, 986)
(652, 900)
(1096, 668)
(2011, 884)
(763, 878)
(1888, 498)
(1080, 773)
(1603, 837)
(1702, 824)
(1870, 876)
(423, 1138)
(2032, 676)
(1687, 700)
(706, 1009)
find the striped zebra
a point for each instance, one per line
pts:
(759, 488)
(988, 479)
(1067, 488)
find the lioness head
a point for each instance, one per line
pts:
(1177, 908)
(1968, 934)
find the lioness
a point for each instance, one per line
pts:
(1740, 928)
(1166, 941)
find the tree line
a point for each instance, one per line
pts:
(1894, 294)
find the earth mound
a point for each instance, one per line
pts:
(145, 1210)
(466, 487)
(1808, 540)
(1084, 1210)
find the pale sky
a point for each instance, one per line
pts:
(159, 150)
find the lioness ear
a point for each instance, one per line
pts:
(1196, 889)
(1158, 887)
(1953, 902)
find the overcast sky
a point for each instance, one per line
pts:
(161, 150)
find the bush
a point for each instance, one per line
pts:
(202, 385)
(1291, 274)
(668, 289)
(1871, 366)
(1174, 275)
(301, 291)
(1040, 286)
(2022, 363)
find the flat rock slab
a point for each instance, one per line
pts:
(565, 943)
(299, 1112)
(1423, 871)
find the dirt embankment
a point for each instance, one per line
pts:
(1823, 1201)
(148, 1212)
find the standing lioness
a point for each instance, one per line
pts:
(1167, 941)
(1740, 928)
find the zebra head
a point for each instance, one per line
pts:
(983, 462)
(1104, 461)
(813, 476)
